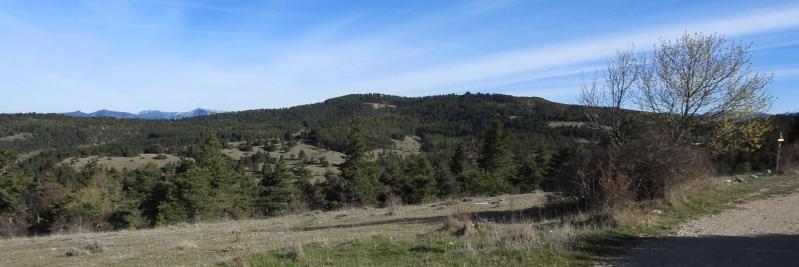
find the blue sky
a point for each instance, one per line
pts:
(60, 56)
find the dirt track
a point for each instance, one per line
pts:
(759, 233)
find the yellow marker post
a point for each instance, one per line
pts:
(779, 149)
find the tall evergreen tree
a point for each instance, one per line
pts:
(532, 172)
(496, 161)
(446, 183)
(279, 190)
(419, 184)
(13, 185)
(358, 173)
(458, 167)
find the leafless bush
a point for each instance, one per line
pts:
(640, 170)
(393, 203)
(14, 225)
(658, 163)
(462, 222)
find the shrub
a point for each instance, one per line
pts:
(245, 147)
(95, 246)
(296, 252)
(393, 202)
(73, 251)
(790, 155)
(14, 224)
(640, 170)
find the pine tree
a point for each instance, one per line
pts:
(446, 183)
(419, 184)
(532, 172)
(279, 190)
(458, 166)
(210, 188)
(12, 185)
(357, 172)
(496, 162)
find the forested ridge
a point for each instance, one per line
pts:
(472, 144)
(449, 115)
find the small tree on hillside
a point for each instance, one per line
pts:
(358, 173)
(532, 172)
(458, 167)
(12, 185)
(279, 190)
(419, 184)
(496, 161)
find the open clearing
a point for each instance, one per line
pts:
(120, 163)
(410, 145)
(16, 137)
(759, 233)
(213, 243)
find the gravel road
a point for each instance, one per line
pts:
(759, 233)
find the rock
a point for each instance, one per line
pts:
(73, 251)
(753, 176)
(740, 180)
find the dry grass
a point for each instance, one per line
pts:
(410, 145)
(554, 235)
(310, 151)
(119, 163)
(211, 243)
(16, 137)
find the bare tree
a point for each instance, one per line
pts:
(606, 100)
(699, 82)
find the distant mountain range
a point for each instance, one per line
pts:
(145, 115)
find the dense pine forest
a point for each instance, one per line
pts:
(471, 144)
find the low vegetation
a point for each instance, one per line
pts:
(522, 238)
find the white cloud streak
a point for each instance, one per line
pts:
(536, 59)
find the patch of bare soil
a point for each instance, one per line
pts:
(759, 233)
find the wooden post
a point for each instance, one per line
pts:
(779, 150)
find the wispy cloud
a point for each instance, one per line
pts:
(534, 60)
(784, 72)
